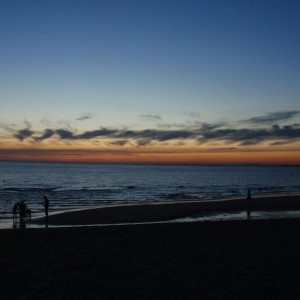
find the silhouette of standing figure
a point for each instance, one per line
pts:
(22, 210)
(46, 206)
(249, 203)
(15, 211)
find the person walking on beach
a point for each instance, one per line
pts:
(46, 206)
(249, 203)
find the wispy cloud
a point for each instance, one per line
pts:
(273, 117)
(193, 114)
(85, 116)
(152, 117)
(119, 143)
(27, 124)
(8, 128)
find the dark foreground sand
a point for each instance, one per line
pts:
(247, 259)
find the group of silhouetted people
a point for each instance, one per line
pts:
(20, 210)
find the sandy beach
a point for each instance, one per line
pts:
(168, 211)
(241, 259)
(247, 259)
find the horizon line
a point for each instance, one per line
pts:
(148, 163)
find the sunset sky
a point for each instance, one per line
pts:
(155, 81)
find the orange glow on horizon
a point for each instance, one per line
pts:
(167, 153)
(236, 157)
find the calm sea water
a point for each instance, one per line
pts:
(71, 186)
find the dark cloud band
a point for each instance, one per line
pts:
(203, 132)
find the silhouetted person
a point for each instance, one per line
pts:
(22, 209)
(46, 206)
(15, 211)
(249, 203)
(28, 213)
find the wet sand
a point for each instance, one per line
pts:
(168, 211)
(246, 259)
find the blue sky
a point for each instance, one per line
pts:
(147, 64)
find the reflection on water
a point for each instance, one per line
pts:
(226, 216)
(19, 222)
(241, 215)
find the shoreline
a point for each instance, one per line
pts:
(166, 211)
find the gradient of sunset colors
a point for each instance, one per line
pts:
(150, 81)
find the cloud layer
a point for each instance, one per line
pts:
(269, 130)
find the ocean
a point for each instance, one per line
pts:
(78, 185)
